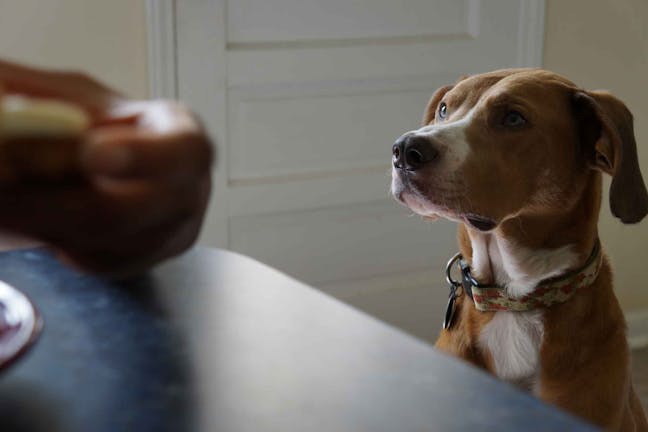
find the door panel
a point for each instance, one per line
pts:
(263, 21)
(347, 242)
(305, 98)
(281, 133)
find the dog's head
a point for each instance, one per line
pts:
(500, 144)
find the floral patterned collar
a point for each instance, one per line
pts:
(548, 292)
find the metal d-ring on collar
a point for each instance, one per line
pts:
(467, 279)
(451, 307)
(451, 263)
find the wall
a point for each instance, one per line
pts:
(105, 38)
(604, 44)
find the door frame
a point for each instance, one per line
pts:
(161, 48)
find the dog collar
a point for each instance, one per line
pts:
(548, 292)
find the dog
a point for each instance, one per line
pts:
(516, 158)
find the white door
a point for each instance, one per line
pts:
(305, 98)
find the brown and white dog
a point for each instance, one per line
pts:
(515, 156)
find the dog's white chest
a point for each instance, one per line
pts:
(513, 341)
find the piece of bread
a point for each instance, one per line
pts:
(39, 138)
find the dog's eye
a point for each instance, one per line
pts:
(513, 119)
(443, 110)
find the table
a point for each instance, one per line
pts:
(215, 341)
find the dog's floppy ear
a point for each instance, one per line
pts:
(608, 137)
(433, 103)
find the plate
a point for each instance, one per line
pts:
(20, 324)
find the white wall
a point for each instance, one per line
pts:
(104, 37)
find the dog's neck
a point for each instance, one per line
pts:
(500, 260)
(528, 248)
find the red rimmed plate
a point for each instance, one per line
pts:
(20, 324)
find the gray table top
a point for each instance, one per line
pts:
(215, 341)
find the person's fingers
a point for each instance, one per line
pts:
(142, 203)
(168, 142)
(39, 158)
(134, 252)
(129, 191)
(103, 213)
(126, 152)
(76, 87)
(57, 214)
(143, 249)
(111, 226)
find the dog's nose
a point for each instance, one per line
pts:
(412, 152)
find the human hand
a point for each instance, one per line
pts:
(141, 183)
